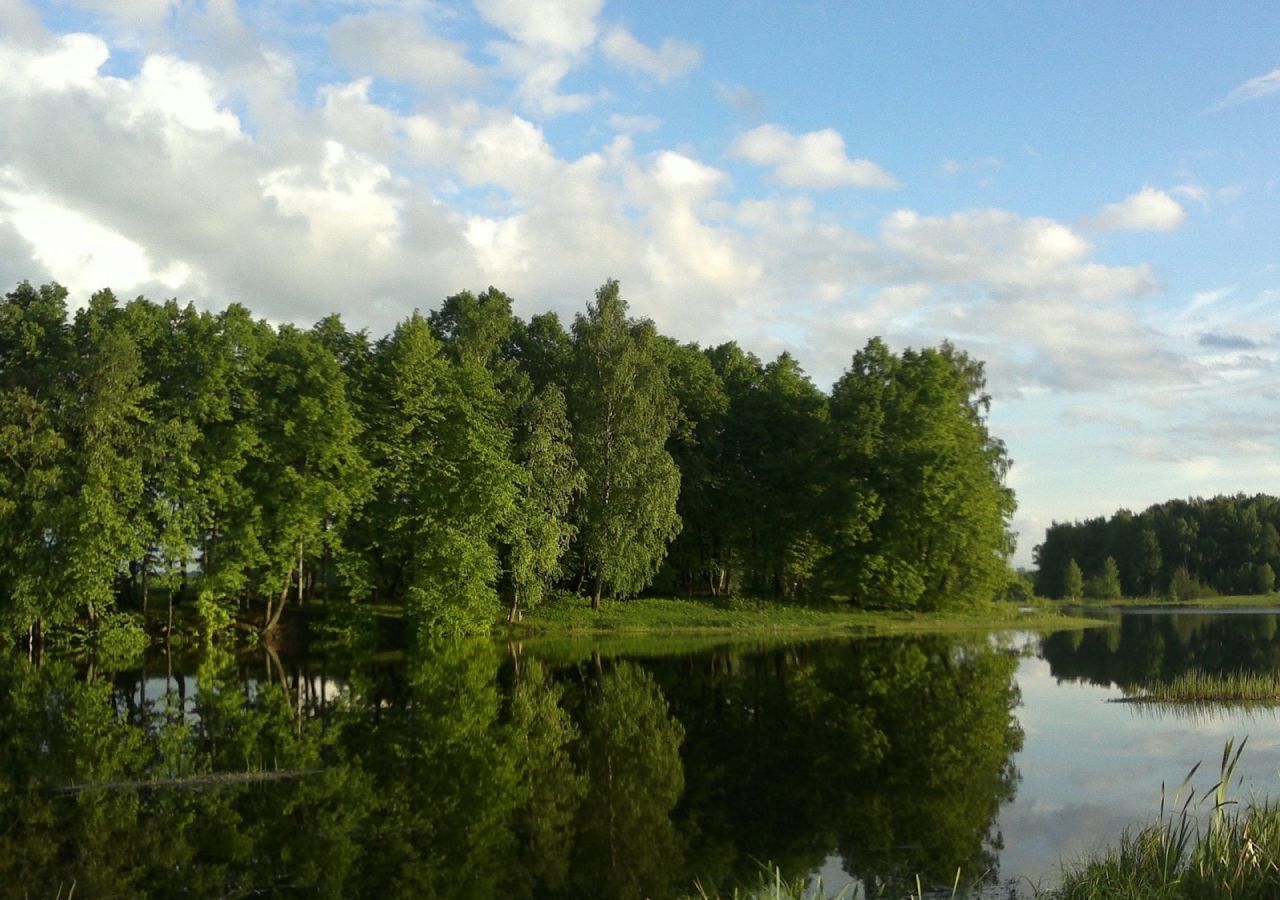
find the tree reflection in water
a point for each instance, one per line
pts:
(468, 771)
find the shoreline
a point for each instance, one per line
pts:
(739, 618)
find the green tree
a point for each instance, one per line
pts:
(310, 473)
(226, 454)
(930, 506)
(1106, 584)
(35, 355)
(540, 530)
(99, 530)
(623, 412)
(446, 485)
(696, 558)
(1264, 578)
(782, 442)
(1072, 582)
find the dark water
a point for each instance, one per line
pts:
(565, 770)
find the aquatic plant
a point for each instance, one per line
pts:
(1235, 855)
(1198, 686)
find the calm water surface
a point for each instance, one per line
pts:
(610, 770)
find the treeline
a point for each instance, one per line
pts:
(153, 450)
(1182, 549)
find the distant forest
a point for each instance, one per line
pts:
(471, 462)
(1183, 549)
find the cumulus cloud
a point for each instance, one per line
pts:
(1253, 89)
(672, 59)
(397, 47)
(304, 208)
(1009, 253)
(814, 160)
(1148, 210)
(558, 26)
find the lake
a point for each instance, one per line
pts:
(611, 769)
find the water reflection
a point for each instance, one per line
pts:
(1092, 768)
(478, 771)
(1143, 646)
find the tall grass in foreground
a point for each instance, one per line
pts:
(1197, 686)
(1236, 855)
(773, 886)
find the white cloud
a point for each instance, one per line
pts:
(344, 202)
(1148, 210)
(559, 26)
(85, 255)
(1253, 89)
(353, 119)
(397, 47)
(816, 159)
(72, 63)
(182, 96)
(634, 124)
(1006, 251)
(673, 58)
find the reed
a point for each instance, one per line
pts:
(773, 886)
(1235, 853)
(1197, 686)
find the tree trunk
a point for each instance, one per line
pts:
(301, 580)
(274, 617)
(596, 591)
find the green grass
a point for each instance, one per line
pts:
(1197, 686)
(741, 618)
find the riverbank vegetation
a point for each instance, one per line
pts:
(1212, 848)
(1181, 550)
(573, 616)
(472, 461)
(1199, 686)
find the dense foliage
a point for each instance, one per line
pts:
(1183, 549)
(468, 458)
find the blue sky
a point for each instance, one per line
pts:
(1083, 194)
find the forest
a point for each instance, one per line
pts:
(1181, 549)
(471, 463)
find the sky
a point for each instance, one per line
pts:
(1084, 194)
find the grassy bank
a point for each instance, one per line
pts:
(1226, 602)
(653, 615)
